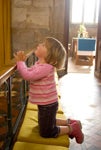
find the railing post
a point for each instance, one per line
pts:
(9, 115)
(9, 97)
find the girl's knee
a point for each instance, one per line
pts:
(51, 133)
(45, 135)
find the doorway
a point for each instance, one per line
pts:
(71, 30)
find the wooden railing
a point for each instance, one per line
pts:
(13, 100)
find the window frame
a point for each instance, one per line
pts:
(82, 21)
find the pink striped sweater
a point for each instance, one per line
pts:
(42, 89)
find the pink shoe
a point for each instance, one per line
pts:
(70, 121)
(76, 132)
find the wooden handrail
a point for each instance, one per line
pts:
(8, 70)
(9, 79)
(6, 73)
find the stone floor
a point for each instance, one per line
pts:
(81, 99)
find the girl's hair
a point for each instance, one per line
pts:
(56, 54)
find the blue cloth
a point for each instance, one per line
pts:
(86, 44)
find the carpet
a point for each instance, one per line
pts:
(72, 68)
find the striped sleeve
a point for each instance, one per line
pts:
(38, 71)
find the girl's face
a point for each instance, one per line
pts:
(41, 51)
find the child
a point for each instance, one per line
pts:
(42, 91)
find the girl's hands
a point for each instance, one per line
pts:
(20, 56)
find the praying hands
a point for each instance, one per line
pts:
(20, 56)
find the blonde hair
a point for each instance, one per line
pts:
(56, 52)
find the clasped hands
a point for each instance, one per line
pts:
(20, 56)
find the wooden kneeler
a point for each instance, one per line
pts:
(29, 131)
(34, 146)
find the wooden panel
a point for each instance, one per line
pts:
(1, 35)
(5, 49)
(98, 51)
(7, 31)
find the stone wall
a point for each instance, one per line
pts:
(32, 20)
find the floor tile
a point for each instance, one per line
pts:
(81, 99)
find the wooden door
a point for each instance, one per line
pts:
(66, 37)
(98, 48)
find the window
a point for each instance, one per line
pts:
(84, 11)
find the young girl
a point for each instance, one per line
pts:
(42, 91)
